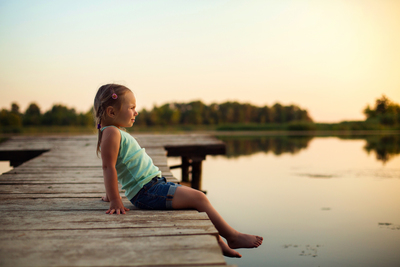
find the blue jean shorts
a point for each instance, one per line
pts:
(155, 195)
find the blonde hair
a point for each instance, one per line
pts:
(107, 95)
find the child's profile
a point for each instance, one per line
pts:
(124, 161)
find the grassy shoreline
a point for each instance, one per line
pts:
(227, 131)
(292, 128)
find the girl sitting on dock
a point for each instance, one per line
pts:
(126, 162)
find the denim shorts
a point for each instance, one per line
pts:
(155, 195)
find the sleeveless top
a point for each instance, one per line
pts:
(134, 167)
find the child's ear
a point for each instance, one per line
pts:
(110, 111)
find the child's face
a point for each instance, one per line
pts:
(126, 116)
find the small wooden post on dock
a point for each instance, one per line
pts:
(196, 171)
(191, 168)
(192, 155)
(185, 168)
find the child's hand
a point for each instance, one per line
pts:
(116, 207)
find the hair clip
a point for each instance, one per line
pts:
(113, 94)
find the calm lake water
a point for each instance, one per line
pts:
(317, 201)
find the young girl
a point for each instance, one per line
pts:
(126, 162)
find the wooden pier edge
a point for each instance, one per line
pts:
(52, 214)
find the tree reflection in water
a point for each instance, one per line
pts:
(384, 146)
(247, 145)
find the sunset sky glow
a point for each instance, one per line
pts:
(331, 57)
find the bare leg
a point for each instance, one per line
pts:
(189, 198)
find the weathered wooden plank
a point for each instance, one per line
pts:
(47, 181)
(42, 168)
(83, 203)
(50, 180)
(90, 219)
(55, 170)
(101, 234)
(100, 216)
(82, 159)
(58, 174)
(170, 250)
(34, 166)
(52, 188)
(135, 212)
(59, 177)
(59, 196)
(78, 203)
(43, 163)
(66, 175)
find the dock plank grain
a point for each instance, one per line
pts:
(120, 251)
(52, 214)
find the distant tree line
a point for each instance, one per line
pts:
(58, 115)
(198, 113)
(193, 113)
(384, 112)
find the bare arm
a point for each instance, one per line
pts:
(109, 153)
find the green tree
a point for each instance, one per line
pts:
(142, 118)
(385, 112)
(8, 118)
(15, 108)
(60, 115)
(264, 115)
(32, 115)
(278, 113)
(86, 119)
(168, 114)
(12, 117)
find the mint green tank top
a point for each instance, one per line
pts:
(134, 167)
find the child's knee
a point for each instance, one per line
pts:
(186, 197)
(201, 199)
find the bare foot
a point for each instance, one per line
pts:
(245, 241)
(226, 250)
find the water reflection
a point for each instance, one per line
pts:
(248, 145)
(385, 147)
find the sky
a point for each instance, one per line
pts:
(330, 57)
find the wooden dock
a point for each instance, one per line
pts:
(52, 215)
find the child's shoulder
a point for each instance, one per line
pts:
(111, 131)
